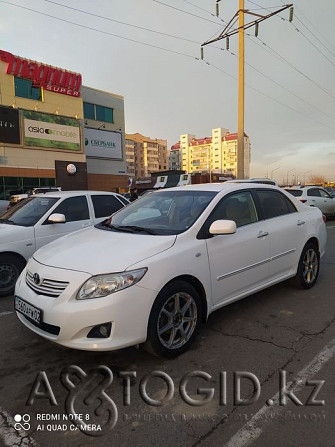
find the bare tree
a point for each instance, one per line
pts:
(317, 180)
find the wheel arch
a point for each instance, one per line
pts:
(15, 254)
(196, 283)
(313, 240)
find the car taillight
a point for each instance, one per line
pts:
(303, 200)
(324, 218)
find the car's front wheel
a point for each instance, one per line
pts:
(174, 320)
(10, 269)
(308, 267)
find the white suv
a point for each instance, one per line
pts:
(315, 196)
(42, 218)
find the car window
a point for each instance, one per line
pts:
(239, 207)
(324, 193)
(105, 205)
(295, 192)
(29, 211)
(74, 208)
(274, 203)
(123, 200)
(314, 192)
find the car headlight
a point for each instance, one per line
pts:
(103, 285)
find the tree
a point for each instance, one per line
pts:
(317, 180)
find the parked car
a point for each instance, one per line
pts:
(315, 196)
(16, 198)
(40, 219)
(155, 271)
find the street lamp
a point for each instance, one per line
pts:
(273, 170)
(288, 174)
(305, 175)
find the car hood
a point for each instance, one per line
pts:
(96, 251)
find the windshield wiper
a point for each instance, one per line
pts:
(134, 229)
(7, 221)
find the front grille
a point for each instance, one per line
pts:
(48, 287)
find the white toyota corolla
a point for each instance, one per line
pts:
(155, 270)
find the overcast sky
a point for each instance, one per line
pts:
(152, 59)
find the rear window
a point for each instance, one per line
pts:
(295, 192)
(105, 205)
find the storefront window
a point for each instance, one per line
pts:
(25, 89)
(18, 185)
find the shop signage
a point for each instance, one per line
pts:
(52, 131)
(103, 144)
(9, 125)
(50, 78)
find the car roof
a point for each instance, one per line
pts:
(72, 193)
(217, 187)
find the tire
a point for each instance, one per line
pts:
(308, 267)
(174, 320)
(10, 269)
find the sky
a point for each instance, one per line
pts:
(148, 51)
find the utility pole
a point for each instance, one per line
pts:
(240, 124)
(225, 34)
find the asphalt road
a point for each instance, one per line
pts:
(279, 339)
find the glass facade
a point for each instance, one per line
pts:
(24, 89)
(18, 185)
(98, 113)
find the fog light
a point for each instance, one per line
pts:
(101, 331)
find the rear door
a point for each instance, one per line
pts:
(286, 229)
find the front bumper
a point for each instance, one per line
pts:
(127, 310)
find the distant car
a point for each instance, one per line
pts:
(41, 218)
(155, 271)
(15, 198)
(315, 196)
(264, 181)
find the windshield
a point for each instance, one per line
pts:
(29, 211)
(160, 213)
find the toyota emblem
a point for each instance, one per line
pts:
(36, 278)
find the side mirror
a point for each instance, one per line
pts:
(56, 218)
(223, 227)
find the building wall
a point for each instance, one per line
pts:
(53, 103)
(216, 154)
(150, 155)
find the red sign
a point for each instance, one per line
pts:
(50, 78)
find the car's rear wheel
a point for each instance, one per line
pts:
(174, 320)
(308, 267)
(10, 269)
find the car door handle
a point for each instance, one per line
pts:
(301, 222)
(262, 234)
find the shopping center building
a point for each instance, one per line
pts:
(56, 132)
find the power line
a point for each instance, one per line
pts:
(122, 23)
(160, 48)
(202, 9)
(278, 56)
(284, 88)
(98, 30)
(185, 12)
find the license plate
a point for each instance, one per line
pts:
(28, 310)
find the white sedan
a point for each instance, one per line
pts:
(159, 267)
